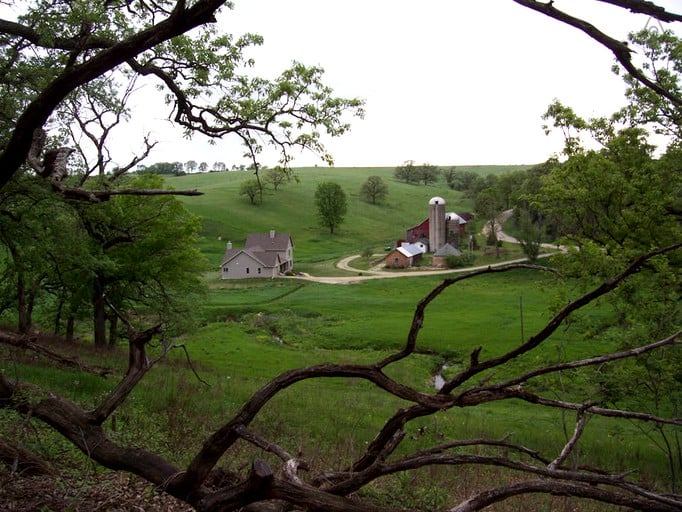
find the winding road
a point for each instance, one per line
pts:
(375, 273)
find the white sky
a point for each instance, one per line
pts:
(449, 82)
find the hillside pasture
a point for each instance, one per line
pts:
(290, 209)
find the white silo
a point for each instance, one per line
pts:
(436, 223)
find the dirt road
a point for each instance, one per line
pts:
(375, 273)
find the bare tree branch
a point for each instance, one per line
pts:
(646, 7)
(491, 496)
(41, 107)
(568, 447)
(620, 49)
(30, 342)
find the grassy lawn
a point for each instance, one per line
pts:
(254, 330)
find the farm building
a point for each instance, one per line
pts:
(404, 256)
(441, 255)
(440, 227)
(264, 255)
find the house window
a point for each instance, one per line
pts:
(259, 270)
(248, 270)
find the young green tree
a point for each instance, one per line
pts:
(277, 176)
(374, 190)
(458, 179)
(530, 236)
(331, 204)
(251, 189)
(407, 172)
(427, 174)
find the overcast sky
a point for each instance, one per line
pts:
(449, 82)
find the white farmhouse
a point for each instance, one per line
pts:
(264, 255)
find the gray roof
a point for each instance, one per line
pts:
(268, 241)
(266, 259)
(448, 250)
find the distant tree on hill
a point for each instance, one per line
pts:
(251, 189)
(410, 173)
(277, 176)
(407, 172)
(459, 180)
(203, 167)
(427, 173)
(374, 190)
(164, 168)
(218, 166)
(190, 166)
(331, 203)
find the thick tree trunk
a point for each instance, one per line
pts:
(113, 330)
(69, 328)
(22, 307)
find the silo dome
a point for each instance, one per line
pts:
(437, 200)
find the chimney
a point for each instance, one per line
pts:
(229, 245)
(272, 233)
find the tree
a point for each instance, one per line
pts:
(374, 190)
(123, 232)
(459, 180)
(45, 63)
(331, 204)
(251, 189)
(427, 173)
(218, 166)
(489, 204)
(203, 167)
(277, 176)
(530, 237)
(190, 166)
(479, 381)
(406, 172)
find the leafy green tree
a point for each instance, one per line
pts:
(427, 174)
(203, 167)
(146, 260)
(163, 168)
(46, 59)
(374, 190)
(530, 236)
(614, 205)
(251, 189)
(277, 176)
(647, 107)
(190, 166)
(489, 204)
(459, 180)
(38, 233)
(331, 204)
(407, 172)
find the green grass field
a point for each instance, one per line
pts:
(253, 330)
(228, 216)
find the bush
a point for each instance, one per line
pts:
(464, 260)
